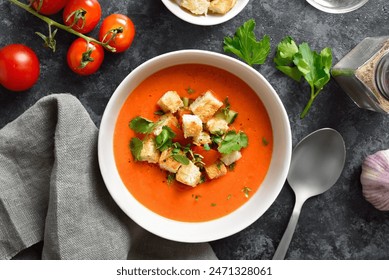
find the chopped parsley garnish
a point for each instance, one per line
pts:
(142, 125)
(264, 141)
(246, 191)
(213, 204)
(196, 197)
(190, 90)
(164, 139)
(233, 141)
(171, 177)
(136, 146)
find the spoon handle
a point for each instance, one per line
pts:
(287, 237)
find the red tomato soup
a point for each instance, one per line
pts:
(214, 198)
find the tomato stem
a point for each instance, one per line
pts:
(51, 22)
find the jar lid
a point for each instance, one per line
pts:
(382, 75)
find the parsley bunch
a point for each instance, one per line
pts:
(300, 61)
(244, 44)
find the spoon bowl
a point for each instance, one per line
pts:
(317, 162)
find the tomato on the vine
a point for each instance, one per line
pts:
(85, 58)
(82, 15)
(48, 7)
(118, 31)
(19, 67)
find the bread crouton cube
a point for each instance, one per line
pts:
(217, 126)
(221, 6)
(149, 151)
(191, 125)
(197, 7)
(216, 170)
(167, 162)
(231, 157)
(189, 174)
(202, 139)
(170, 102)
(165, 120)
(205, 106)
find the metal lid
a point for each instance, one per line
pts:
(382, 75)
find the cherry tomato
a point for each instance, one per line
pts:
(118, 30)
(88, 13)
(210, 156)
(19, 67)
(81, 64)
(49, 7)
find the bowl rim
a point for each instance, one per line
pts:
(341, 10)
(193, 232)
(202, 20)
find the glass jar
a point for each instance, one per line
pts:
(364, 74)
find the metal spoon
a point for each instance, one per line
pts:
(337, 6)
(317, 162)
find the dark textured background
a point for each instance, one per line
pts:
(339, 224)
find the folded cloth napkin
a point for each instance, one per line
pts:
(51, 189)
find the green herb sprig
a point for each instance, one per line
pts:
(233, 141)
(245, 45)
(300, 61)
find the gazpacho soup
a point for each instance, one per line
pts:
(193, 142)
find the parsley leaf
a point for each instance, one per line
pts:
(233, 141)
(244, 44)
(286, 50)
(136, 146)
(301, 61)
(164, 139)
(181, 159)
(142, 125)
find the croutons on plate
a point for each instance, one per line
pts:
(197, 7)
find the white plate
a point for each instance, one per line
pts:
(210, 19)
(337, 6)
(240, 218)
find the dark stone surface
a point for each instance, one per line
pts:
(339, 224)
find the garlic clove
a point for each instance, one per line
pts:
(375, 179)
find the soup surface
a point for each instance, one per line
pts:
(213, 198)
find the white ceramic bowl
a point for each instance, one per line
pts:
(210, 19)
(240, 218)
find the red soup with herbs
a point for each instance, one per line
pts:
(193, 142)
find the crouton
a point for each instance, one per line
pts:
(217, 126)
(221, 6)
(170, 102)
(202, 139)
(192, 125)
(216, 170)
(205, 106)
(189, 174)
(167, 162)
(197, 7)
(165, 120)
(231, 157)
(149, 151)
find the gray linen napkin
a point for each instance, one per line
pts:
(51, 190)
